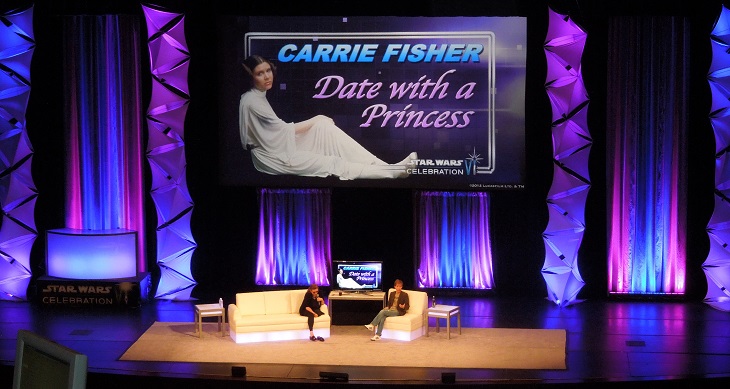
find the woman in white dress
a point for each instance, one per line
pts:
(315, 147)
(346, 283)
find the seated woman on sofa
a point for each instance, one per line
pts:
(311, 308)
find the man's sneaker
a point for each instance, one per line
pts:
(376, 337)
(369, 327)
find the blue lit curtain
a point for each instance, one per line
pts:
(454, 246)
(105, 181)
(647, 93)
(294, 237)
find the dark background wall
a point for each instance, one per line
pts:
(378, 223)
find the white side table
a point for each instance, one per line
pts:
(209, 310)
(441, 311)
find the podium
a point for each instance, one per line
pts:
(92, 268)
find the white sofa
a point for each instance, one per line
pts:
(271, 316)
(412, 325)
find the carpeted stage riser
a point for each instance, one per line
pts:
(487, 348)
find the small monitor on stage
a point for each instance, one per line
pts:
(43, 363)
(358, 276)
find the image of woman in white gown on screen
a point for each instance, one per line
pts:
(315, 147)
(346, 283)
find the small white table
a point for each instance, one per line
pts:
(209, 310)
(441, 311)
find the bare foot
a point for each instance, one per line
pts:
(409, 159)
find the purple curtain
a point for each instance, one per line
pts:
(105, 179)
(647, 93)
(454, 245)
(294, 237)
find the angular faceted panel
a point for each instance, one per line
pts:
(717, 263)
(169, 61)
(173, 285)
(17, 190)
(571, 148)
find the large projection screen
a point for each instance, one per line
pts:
(451, 89)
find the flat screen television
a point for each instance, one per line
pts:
(449, 89)
(358, 276)
(43, 363)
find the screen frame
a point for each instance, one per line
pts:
(443, 156)
(335, 267)
(77, 362)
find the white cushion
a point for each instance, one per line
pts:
(251, 303)
(278, 302)
(296, 296)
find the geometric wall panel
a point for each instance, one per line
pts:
(169, 61)
(17, 190)
(571, 148)
(717, 264)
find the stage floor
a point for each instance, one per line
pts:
(608, 342)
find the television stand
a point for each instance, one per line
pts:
(371, 295)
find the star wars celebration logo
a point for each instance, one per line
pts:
(447, 167)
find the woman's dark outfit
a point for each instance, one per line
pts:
(311, 302)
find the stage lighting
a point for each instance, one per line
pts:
(330, 376)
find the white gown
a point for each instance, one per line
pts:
(347, 283)
(322, 151)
